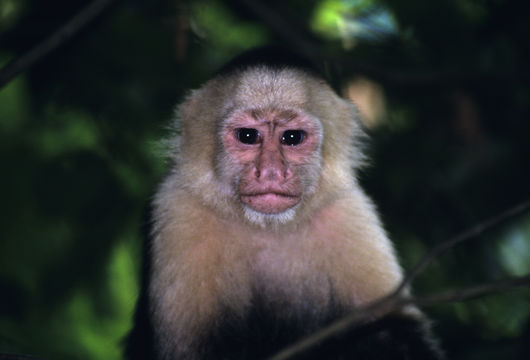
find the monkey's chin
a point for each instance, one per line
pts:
(264, 220)
(270, 203)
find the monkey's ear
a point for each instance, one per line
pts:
(189, 110)
(189, 105)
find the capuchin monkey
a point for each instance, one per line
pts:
(261, 234)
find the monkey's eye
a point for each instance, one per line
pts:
(247, 135)
(292, 137)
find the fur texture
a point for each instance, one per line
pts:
(225, 279)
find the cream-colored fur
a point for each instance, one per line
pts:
(210, 253)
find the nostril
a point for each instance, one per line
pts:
(257, 173)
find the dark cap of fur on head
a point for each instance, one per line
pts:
(271, 56)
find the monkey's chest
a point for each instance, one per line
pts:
(269, 324)
(289, 281)
(290, 297)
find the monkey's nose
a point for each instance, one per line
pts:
(270, 173)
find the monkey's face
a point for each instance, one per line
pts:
(274, 157)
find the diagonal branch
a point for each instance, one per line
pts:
(473, 291)
(393, 303)
(395, 300)
(61, 36)
(466, 235)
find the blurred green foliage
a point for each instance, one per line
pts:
(78, 148)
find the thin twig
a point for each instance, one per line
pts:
(61, 36)
(466, 235)
(473, 292)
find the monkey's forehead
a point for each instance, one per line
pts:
(262, 87)
(265, 87)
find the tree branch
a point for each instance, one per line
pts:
(393, 303)
(466, 235)
(395, 300)
(61, 36)
(472, 292)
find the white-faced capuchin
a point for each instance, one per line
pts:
(261, 234)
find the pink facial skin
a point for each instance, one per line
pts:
(270, 182)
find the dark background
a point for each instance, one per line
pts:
(444, 89)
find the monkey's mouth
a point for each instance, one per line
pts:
(270, 202)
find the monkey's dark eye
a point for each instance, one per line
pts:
(292, 137)
(247, 135)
